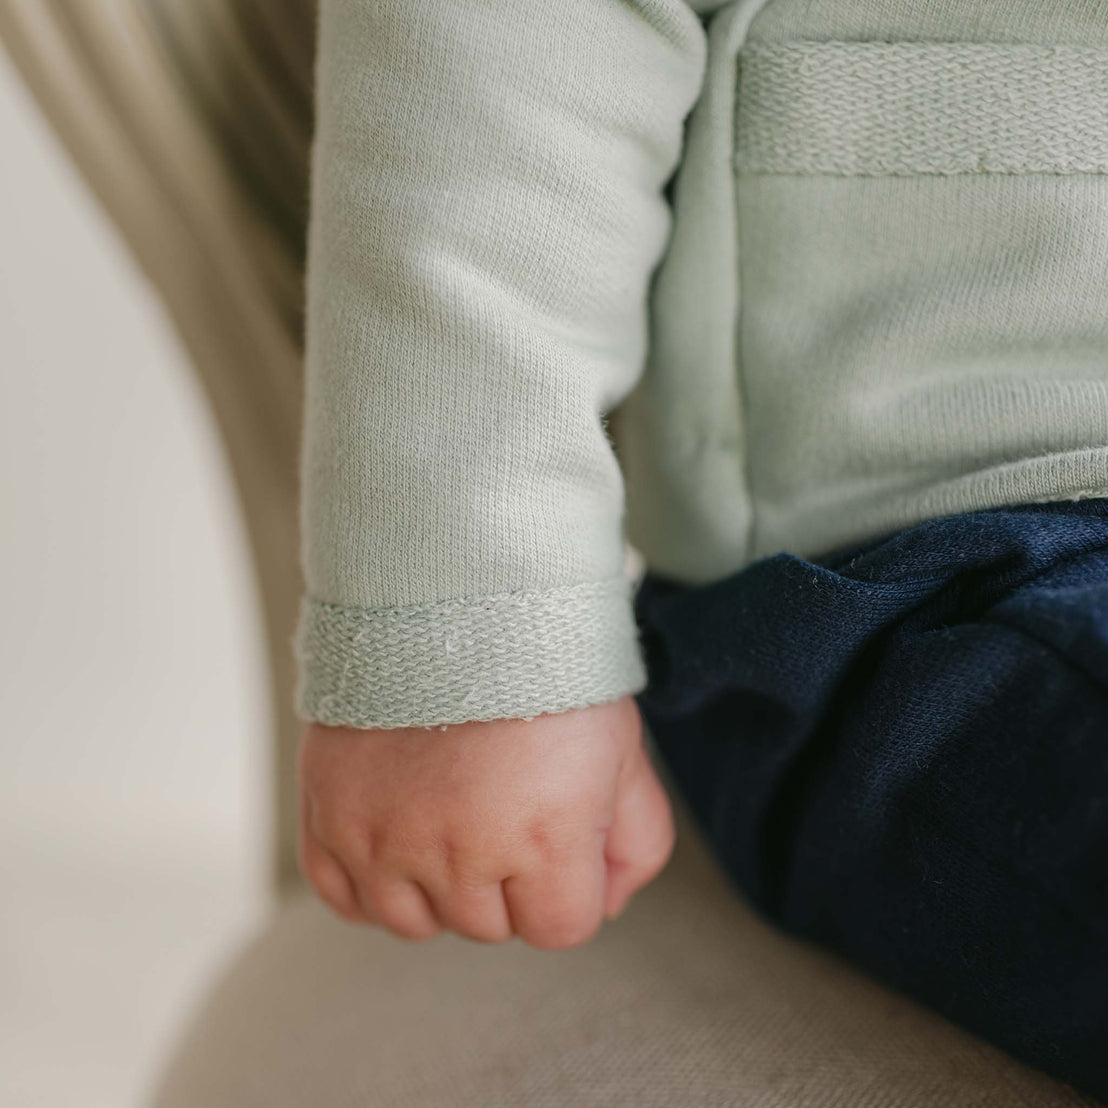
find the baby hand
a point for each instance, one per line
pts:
(535, 828)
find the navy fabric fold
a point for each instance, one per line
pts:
(900, 752)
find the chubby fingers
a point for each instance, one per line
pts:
(400, 905)
(559, 904)
(552, 896)
(552, 906)
(328, 877)
(474, 911)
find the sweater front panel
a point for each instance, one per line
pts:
(914, 271)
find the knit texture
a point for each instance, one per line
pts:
(879, 299)
(487, 212)
(504, 656)
(901, 108)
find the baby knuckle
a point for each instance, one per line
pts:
(539, 838)
(552, 840)
(469, 872)
(469, 879)
(454, 859)
(394, 847)
(410, 855)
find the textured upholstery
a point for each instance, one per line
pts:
(688, 1000)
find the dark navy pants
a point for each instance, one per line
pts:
(901, 753)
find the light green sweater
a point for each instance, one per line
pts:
(877, 293)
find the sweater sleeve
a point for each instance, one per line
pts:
(487, 212)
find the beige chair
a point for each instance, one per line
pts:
(191, 119)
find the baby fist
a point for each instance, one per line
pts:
(538, 828)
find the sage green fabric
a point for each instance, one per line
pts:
(874, 295)
(487, 213)
(908, 335)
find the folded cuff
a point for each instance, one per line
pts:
(505, 656)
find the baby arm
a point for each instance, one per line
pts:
(487, 211)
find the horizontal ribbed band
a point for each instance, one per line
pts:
(506, 656)
(880, 109)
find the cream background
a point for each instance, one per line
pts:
(133, 755)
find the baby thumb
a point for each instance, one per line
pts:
(641, 837)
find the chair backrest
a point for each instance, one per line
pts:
(191, 120)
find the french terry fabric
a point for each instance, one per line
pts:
(718, 278)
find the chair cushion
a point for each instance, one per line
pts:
(687, 1000)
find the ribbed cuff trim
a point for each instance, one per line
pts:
(505, 656)
(904, 108)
